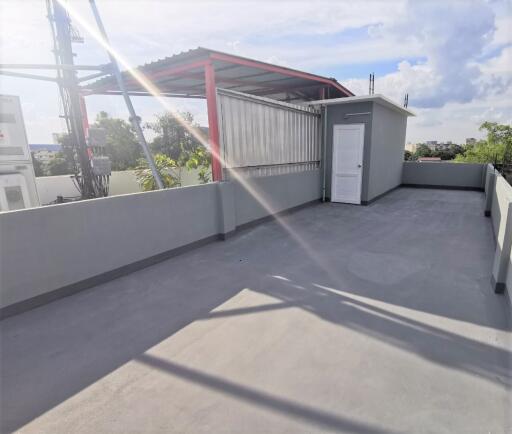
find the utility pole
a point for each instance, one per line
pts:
(70, 94)
(134, 119)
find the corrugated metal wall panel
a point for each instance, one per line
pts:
(261, 137)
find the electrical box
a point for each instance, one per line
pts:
(17, 179)
(101, 166)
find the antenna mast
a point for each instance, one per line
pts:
(91, 185)
(371, 87)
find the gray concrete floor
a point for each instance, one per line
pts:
(373, 319)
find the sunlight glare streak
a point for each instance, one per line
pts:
(151, 88)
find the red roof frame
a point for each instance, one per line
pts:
(190, 65)
(201, 69)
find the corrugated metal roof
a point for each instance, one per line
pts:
(183, 75)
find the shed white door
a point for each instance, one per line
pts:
(347, 163)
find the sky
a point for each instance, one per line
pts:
(453, 57)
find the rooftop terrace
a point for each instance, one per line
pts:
(376, 319)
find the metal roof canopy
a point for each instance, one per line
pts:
(196, 74)
(182, 75)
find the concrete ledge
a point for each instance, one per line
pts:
(444, 174)
(40, 300)
(257, 222)
(443, 187)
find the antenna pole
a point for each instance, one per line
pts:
(70, 95)
(134, 119)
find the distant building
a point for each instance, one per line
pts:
(443, 146)
(411, 147)
(434, 145)
(470, 141)
(45, 152)
(431, 144)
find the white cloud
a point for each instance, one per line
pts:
(451, 38)
(451, 34)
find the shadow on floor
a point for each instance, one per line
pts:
(308, 414)
(345, 309)
(55, 351)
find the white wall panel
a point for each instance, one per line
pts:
(263, 137)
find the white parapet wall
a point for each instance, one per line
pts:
(444, 175)
(51, 251)
(501, 216)
(121, 182)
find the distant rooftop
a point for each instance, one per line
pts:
(44, 147)
(183, 75)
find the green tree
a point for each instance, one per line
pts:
(200, 159)
(175, 141)
(407, 155)
(448, 154)
(422, 151)
(38, 166)
(497, 148)
(170, 173)
(59, 165)
(121, 143)
(67, 153)
(172, 138)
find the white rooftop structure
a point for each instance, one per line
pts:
(377, 98)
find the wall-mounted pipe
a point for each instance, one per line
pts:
(324, 152)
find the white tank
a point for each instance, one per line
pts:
(17, 179)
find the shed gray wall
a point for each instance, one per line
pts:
(444, 174)
(54, 247)
(386, 151)
(335, 116)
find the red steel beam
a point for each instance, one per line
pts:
(273, 68)
(85, 119)
(213, 124)
(236, 81)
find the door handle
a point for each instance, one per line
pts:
(359, 165)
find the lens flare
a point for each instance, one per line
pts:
(152, 89)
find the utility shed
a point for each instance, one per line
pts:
(364, 141)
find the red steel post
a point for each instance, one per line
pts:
(213, 126)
